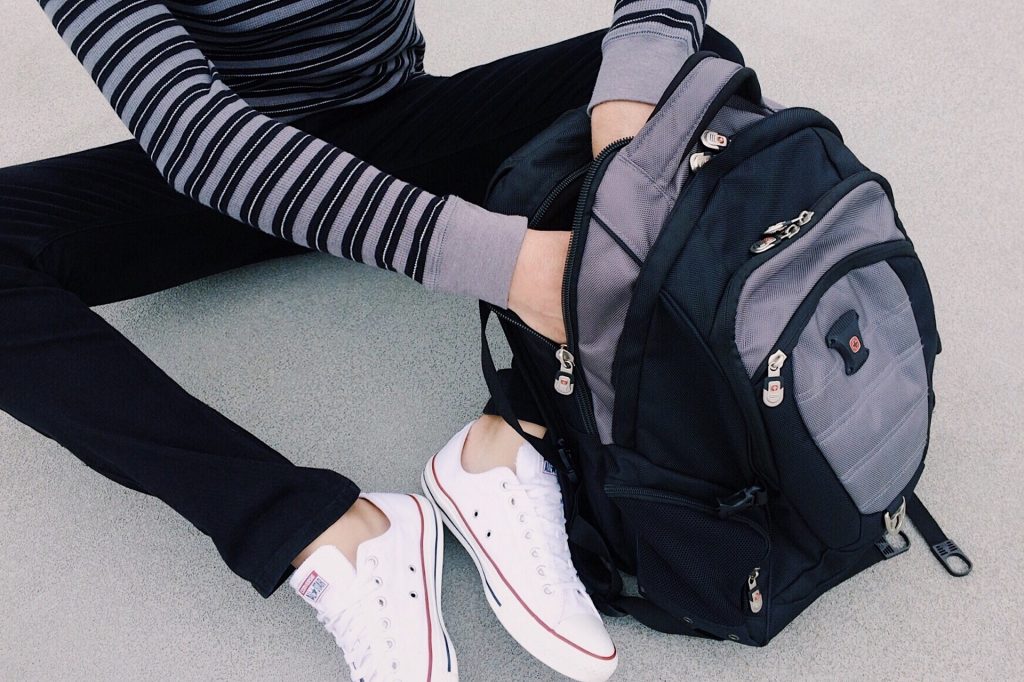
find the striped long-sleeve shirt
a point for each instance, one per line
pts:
(208, 88)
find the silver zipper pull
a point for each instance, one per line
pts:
(714, 141)
(698, 160)
(786, 229)
(564, 381)
(764, 243)
(754, 597)
(776, 228)
(793, 228)
(772, 392)
(803, 218)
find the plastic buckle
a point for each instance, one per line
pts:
(946, 550)
(894, 521)
(890, 550)
(754, 496)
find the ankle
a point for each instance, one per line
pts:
(492, 443)
(363, 521)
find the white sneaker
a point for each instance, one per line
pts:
(384, 612)
(513, 526)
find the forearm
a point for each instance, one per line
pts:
(647, 43)
(211, 146)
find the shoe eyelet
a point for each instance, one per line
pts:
(512, 501)
(385, 624)
(528, 535)
(548, 589)
(522, 518)
(476, 514)
(372, 562)
(413, 595)
(389, 643)
(540, 570)
(378, 581)
(535, 552)
(394, 665)
(488, 533)
(412, 569)
(381, 602)
(504, 485)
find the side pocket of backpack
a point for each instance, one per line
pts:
(703, 564)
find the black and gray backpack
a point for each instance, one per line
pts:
(742, 409)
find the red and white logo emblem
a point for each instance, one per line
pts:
(855, 344)
(313, 587)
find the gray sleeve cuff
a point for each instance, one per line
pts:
(638, 67)
(474, 252)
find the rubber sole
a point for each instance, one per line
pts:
(433, 523)
(521, 624)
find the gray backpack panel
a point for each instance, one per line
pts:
(872, 425)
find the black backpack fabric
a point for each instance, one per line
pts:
(741, 413)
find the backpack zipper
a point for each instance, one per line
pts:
(860, 258)
(730, 297)
(775, 234)
(565, 183)
(513, 321)
(570, 348)
(754, 598)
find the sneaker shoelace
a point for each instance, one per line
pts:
(352, 629)
(546, 518)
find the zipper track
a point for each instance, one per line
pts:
(564, 184)
(641, 493)
(652, 495)
(515, 322)
(822, 207)
(570, 274)
(723, 328)
(869, 255)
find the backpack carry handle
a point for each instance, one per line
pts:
(704, 84)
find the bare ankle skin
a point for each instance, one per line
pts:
(363, 521)
(492, 443)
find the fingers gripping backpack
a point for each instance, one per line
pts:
(741, 412)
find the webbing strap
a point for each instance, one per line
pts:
(942, 547)
(499, 397)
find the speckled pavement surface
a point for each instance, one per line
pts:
(101, 583)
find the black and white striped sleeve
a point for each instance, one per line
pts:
(647, 43)
(211, 146)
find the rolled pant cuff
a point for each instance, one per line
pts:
(279, 566)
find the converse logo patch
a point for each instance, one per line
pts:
(313, 587)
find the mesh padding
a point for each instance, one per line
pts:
(872, 426)
(692, 563)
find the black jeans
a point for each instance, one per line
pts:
(101, 226)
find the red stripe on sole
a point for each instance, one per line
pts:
(426, 594)
(433, 469)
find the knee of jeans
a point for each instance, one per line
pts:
(17, 270)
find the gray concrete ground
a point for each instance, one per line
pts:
(101, 583)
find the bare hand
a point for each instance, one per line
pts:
(614, 120)
(536, 291)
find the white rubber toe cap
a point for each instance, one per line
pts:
(598, 658)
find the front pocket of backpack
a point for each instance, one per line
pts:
(847, 408)
(693, 562)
